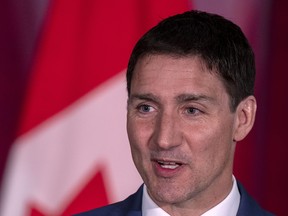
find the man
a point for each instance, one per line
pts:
(190, 82)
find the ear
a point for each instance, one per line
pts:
(245, 117)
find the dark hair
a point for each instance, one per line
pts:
(217, 41)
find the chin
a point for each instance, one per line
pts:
(167, 193)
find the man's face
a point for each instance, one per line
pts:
(181, 130)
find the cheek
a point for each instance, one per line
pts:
(139, 148)
(134, 133)
(137, 136)
(139, 131)
(211, 145)
(135, 146)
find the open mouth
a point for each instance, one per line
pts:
(169, 164)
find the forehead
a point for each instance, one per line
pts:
(156, 62)
(174, 73)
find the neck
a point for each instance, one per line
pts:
(205, 200)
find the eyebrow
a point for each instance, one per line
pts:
(147, 97)
(194, 97)
(180, 98)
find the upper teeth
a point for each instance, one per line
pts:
(168, 165)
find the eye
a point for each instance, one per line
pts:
(192, 111)
(145, 108)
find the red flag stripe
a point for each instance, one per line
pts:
(84, 43)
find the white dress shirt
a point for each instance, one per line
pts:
(228, 207)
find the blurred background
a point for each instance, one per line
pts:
(63, 145)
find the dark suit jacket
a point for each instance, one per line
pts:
(133, 204)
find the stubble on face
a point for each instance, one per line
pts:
(180, 130)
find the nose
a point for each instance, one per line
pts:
(167, 132)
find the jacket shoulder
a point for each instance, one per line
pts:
(248, 206)
(130, 206)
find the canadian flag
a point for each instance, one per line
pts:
(72, 153)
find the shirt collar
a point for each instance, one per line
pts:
(228, 207)
(149, 207)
